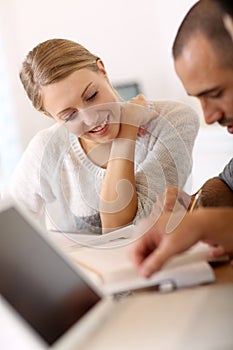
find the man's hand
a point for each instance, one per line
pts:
(166, 235)
(159, 241)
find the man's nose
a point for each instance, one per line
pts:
(211, 112)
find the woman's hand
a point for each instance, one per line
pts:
(138, 112)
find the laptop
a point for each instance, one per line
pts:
(47, 303)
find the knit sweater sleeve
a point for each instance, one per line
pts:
(165, 153)
(28, 181)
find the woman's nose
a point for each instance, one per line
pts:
(89, 117)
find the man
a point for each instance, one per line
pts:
(203, 58)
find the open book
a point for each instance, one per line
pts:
(104, 259)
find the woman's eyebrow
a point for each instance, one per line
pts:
(86, 89)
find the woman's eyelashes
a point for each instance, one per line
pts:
(71, 116)
(92, 96)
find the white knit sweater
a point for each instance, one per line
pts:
(57, 182)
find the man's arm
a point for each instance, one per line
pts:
(216, 193)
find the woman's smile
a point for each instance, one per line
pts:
(102, 128)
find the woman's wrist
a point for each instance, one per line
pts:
(128, 132)
(122, 148)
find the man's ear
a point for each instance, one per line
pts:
(228, 22)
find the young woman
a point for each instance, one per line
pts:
(103, 162)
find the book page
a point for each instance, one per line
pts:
(114, 271)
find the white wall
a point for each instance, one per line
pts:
(133, 38)
(213, 149)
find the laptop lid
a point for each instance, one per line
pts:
(38, 281)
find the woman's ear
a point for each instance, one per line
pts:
(100, 65)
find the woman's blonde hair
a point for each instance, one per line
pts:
(50, 62)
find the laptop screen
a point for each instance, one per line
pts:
(44, 289)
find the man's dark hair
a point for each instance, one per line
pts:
(227, 6)
(206, 18)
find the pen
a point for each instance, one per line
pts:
(196, 201)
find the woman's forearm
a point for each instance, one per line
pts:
(118, 198)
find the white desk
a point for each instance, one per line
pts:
(199, 318)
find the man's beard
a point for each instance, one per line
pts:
(226, 121)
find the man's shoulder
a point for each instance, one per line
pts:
(227, 173)
(230, 165)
